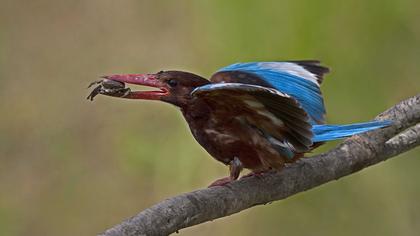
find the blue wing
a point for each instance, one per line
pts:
(298, 79)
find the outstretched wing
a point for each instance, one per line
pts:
(276, 115)
(299, 79)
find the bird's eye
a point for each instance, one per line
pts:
(172, 82)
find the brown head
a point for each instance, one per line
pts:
(175, 87)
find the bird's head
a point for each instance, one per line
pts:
(174, 86)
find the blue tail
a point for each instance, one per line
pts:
(332, 132)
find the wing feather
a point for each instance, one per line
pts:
(290, 122)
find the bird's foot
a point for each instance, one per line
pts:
(256, 174)
(221, 182)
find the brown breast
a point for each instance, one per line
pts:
(227, 136)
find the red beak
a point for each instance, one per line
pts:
(150, 80)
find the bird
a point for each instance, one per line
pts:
(254, 115)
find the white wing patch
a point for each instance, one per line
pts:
(291, 68)
(239, 86)
(253, 104)
(260, 109)
(270, 116)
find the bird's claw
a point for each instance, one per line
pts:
(108, 87)
(221, 182)
(257, 174)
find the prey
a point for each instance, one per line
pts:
(108, 87)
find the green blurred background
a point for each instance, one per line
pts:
(72, 167)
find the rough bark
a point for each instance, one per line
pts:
(352, 155)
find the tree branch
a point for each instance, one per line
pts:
(352, 155)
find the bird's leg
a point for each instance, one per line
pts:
(235, 168)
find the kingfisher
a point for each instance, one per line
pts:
(256, 115)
